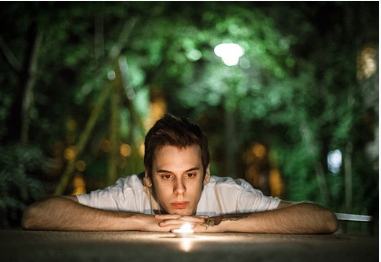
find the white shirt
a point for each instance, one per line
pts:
(222, 195)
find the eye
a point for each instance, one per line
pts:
(191, 175)
(166, 176)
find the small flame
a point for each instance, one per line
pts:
(184, 231)
(186, 227)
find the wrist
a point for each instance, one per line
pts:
(212, 221)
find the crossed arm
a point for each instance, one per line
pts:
(66, 214)
(288, 218)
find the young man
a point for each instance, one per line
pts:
(175, 188)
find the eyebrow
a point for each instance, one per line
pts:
(166, 171)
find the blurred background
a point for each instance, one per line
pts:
(292, 106)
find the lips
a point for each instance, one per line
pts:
(179, 205)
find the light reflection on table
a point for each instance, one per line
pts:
(18, 245)
(186, 244)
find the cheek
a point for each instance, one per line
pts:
(199, 190)
(163, 189)
(194, 190)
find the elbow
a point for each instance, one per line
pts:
(334, 225)
(29, 218)
(331, 224)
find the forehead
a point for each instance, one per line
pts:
(174, 157)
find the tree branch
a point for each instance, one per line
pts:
(28, 88)
(112, 55)
(9, 55)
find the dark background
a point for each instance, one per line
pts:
(82, 82)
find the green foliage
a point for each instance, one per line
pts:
(294, 90)
(19, 184)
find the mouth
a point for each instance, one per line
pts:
(180, 204)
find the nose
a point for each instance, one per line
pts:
(179, 187)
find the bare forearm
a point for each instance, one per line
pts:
(60, 213)
(303, 218)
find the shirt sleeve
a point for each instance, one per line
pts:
(120, 197)
(253, 200)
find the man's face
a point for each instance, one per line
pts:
(178, 177)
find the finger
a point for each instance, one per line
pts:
(163, 217)
(171, 222)
(181, 221)
(192, 219)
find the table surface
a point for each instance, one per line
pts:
(19, 245)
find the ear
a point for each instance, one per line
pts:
(147, 180)
(207, 175)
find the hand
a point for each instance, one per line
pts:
(176, 221)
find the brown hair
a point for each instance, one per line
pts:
(174, 131)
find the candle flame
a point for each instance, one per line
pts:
(186, 227)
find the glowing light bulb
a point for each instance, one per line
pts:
(229, 53)
(334, 160)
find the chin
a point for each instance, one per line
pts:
(182, 212)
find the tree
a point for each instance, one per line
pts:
(294, 91)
